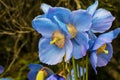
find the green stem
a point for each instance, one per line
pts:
(87, 67)
(83, 68)
(70, 71)
(74, 68)
(79, 71)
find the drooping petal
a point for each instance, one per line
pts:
(1, 69)
(81, 20)
(102, 21)
(82, 39)
(45, 7)
(92, 38)
(103, 58)
(93, 60)
(44, 26)
(49, 53)
(106, 38)
(68, 50)
(78, 50)
(34, 68)
(61, 13)
(91, 9)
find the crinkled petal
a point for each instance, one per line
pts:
(1, 69)
(93, 60)
(106, 38)
(91, 9)
(45, 7)
(44, 26)
(34, 68)
(78, 50)
(68, 50)
(102, 21)
(61, 13)
(49, 53)
(103, 58)
(81, 20)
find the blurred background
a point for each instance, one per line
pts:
(19, 41)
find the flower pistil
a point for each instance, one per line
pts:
(58, 39)
(102, 49)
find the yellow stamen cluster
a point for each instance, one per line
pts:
(102, 49)
(72, 30)
(58, 39)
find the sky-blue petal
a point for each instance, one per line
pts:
(92, 38)
(102, 21)
(49, 53)
(103, 58)
(82, 39)
(68, 50)
(81, 20)
(106, 38)
(91, 9)
(61, 13)
(45, 7)
(93, 60)
(44, 26)
(1, 69)
(34, 68)
(62, 26)
(78, 50)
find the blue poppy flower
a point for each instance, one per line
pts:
(1, 69)
(55, 77)
(38, 71)
(101, 19)
(63, 33)
(102, 50)
(73, 24)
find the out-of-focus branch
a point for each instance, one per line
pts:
(16, 51)
(78, 4)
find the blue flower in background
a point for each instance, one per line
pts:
(55, 77)
(101, 19)
(1, 69)
(102, 50)
(6, 79)
(73, 24)
(39, 72)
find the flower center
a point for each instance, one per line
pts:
(58, 39)
(72, 30)
(102, 49)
